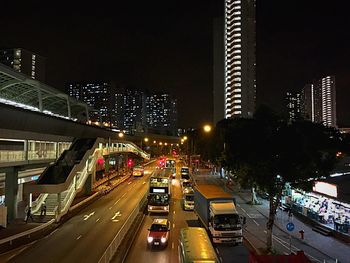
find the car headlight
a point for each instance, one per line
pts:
(149, 239)
(150, 208)
(165, 208)
(163, 240)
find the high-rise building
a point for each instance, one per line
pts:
(97, 96)
(134, 117)
(24, 61)
(293, 103)
(161, 112)
(240, 63)
(218, 69)
(307, 105)
(319, 101)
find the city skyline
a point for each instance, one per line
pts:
(169, 47)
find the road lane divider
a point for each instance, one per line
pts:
(97, 220)
(79, 237)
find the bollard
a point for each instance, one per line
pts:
(301, 234)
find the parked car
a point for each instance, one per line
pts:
(158, 233)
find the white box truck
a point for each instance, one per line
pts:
(217, 212)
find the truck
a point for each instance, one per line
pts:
(216, 211)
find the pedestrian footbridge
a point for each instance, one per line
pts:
(75, 170)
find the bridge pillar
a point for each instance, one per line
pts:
(88, 184)
(11, 189)
(59, 203)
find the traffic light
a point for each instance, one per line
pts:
(129, 162)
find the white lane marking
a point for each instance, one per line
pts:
(97, 220)
(53, 232)
(221, 260)
(217, 250)
(238, 205)
(116, 214)
(143, 182)
(265, 231)
(243, 210)
(129, 182)
(79, 237)
(172, 245)
(173, 225)
(256, 222)
(86, 217)
(174, 212)
(110, 208)
(117, 201)
(122, 196)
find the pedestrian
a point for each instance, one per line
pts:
(43, 209)
(29, 214)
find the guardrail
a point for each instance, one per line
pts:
(112, 248)
(26, 233)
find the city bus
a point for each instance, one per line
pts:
(159, 192)
(195, 246)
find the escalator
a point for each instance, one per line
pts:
(58, 172)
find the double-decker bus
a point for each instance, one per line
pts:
(159, 192)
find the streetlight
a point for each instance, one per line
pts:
(207, 128)
(120, 135)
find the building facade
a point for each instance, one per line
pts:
(293, 103)
(240, 62)
(25, 62)
(97, 96)
(319, 101)
(161, 112)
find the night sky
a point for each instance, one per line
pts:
(167, 46)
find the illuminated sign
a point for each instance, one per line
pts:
(157, 190)
(325, 188)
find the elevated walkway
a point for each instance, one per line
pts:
(61, 182)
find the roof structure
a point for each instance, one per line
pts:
(19, 90)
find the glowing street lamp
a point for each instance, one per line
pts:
(207, 128)
(145, 139)
(120, 135)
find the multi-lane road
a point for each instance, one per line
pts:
(85, 237)
(179, 218)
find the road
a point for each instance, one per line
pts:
(85, 236)
(179, 219)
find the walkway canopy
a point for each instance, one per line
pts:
(18, 90)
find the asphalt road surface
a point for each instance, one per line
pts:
(179, 218)
(85, 237)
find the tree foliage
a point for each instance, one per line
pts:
(267, 151)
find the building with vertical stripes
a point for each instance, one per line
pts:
(240, 62)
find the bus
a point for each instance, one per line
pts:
(195, 246)
(159, 192)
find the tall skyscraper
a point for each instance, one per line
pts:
(24, 61)
(239, 41)
(161, 111)
(293, 103)
(218, 70)
(96, 95)
(134, 117)
(319, 101)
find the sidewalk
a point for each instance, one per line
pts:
(325, 244)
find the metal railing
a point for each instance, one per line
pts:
(112, 248)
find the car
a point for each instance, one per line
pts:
(188, 198)
(186, 184)
(158, 233)
(184, 173)
(138, 170)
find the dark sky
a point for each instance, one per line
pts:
(167, 45)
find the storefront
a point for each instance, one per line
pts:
(322, 205)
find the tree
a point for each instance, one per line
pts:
(268, 151)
